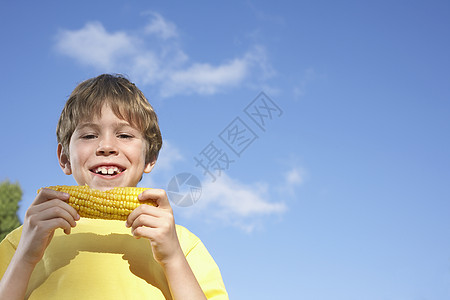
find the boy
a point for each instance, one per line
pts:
(108, 136)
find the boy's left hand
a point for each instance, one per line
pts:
(157, 224)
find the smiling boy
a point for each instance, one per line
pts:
(120, 153)
(108, 136)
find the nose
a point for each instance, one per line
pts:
(107, 147)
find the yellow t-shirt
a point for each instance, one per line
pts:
(100, 259)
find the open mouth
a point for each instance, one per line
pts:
(107, 170)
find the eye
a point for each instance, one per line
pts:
(88, 136)
(124, 136)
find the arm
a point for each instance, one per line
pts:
(158, 226)
(46, 213)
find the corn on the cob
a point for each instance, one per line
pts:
(114, 204)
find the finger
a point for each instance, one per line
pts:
(158, 196)
(140, 210)
(56, 212)
(46, 194)
(143, 231)
(53, 204)
(43, 224)
(145, 220)
(35, 219)
(53, 224)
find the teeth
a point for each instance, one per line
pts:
(107, 170)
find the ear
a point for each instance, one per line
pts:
(64, 161)
(149, 166)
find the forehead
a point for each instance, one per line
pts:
(111, 112)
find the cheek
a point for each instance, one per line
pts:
(78, 153)
(138, 149)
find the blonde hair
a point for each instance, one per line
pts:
(125, 100)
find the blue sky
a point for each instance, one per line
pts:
(343, 194)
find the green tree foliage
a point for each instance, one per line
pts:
(10, 195)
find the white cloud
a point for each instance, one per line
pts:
(257, 57)
(161, 62)
(293, 177)
(205, 79)
(234, 203)
(240, 199)
(159, 26)
(92, 45)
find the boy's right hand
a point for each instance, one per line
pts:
(48, 212)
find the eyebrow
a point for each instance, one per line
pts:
(94, 125)
(88, 124)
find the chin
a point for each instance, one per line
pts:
(103, 186)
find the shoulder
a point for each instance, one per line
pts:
(187, 239)
(13, 237)
(193, 248)
(184, 232)
(7, 248)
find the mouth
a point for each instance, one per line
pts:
(109, 171)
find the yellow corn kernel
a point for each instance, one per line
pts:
(114, 204)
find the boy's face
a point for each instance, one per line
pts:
(106, 152)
